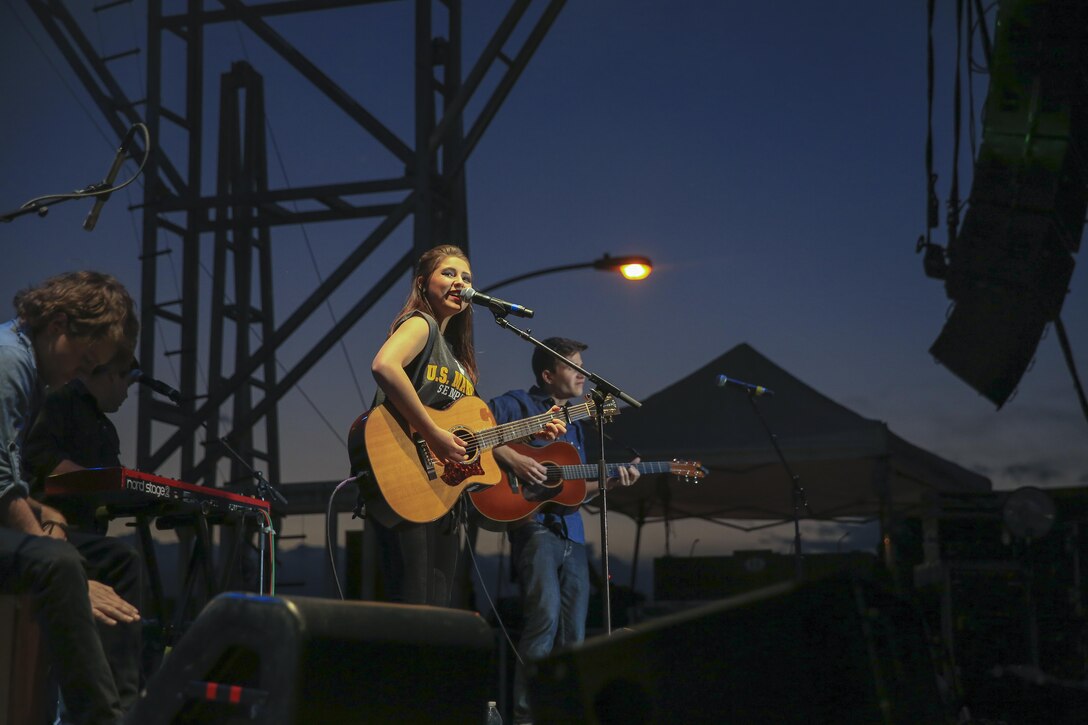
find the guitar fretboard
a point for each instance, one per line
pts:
(589, 471)
(519, 429)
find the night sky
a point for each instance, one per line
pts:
(767, 156)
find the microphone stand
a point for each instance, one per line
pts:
(40, 205)
(799, 498)
(265, 490)
(34, 206)
(600, 393)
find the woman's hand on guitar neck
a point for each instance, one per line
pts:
(553, 428)
(445, 446)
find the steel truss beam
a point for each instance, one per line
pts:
(175, 209)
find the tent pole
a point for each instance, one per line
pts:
(638, 541)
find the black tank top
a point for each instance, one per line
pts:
(438, 376)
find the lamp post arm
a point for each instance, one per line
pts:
(537, 273)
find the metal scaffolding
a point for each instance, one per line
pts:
(242, 213)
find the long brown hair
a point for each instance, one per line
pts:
(459, 329)
(96, 305)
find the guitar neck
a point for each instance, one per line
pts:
(588, 471)
(521, 429)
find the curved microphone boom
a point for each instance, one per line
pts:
(111, 176)
(500, 306)
(756, 390)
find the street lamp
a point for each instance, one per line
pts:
(631, 266)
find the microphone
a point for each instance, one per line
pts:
(756, 390)
(158, 386)
(111, 176)
(495, 303)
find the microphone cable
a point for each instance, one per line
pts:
(330, 545)
(95, 189)
(491, 602)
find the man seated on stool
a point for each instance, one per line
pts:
(70, 323)
(72, 433)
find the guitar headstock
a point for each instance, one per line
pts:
(608, 411)
(688, 470)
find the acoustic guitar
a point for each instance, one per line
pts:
(403, 481)
(565, 488)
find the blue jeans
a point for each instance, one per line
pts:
(554, 579)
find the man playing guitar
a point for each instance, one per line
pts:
(548, 549)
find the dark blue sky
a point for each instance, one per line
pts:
(767, 156)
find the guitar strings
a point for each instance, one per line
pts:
(491, 437)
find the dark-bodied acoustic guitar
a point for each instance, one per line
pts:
(565, 487)
(407, 483)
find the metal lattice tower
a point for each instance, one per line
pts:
(243, 212)
(243, 245)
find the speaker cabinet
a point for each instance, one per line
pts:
(837, 650)
(275, 660)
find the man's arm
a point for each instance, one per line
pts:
(52, 521)
(17, 383)
(46, 450)
(506, 409)
(16, 513)
(526, 469)
(106, 605)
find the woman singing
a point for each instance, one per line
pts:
(433, 332)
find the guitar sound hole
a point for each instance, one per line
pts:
(472, 448)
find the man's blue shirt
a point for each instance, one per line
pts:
(518, 404)
(20, 396)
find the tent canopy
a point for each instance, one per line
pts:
(849, 466)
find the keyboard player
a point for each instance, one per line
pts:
(73, 432)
